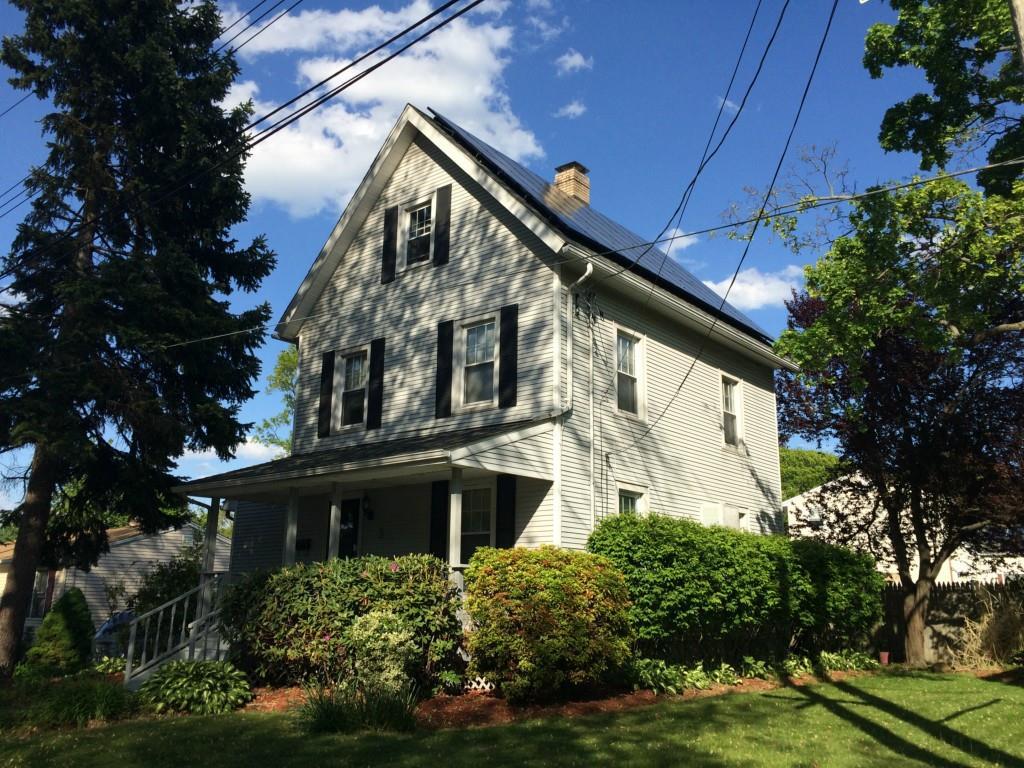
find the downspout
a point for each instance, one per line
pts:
(570, 378)
(572, 346)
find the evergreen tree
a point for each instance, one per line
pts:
(126, 252)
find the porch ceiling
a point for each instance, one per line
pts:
(417, 458)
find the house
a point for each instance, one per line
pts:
(484, 359)
(805, 517)
(117, 574)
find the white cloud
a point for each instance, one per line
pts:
(755, 289)
(573, 61)
(317, 162)
(572, 110)
(730, 106)
(546, 30)
(680, 241)
(544, 5)
(199, 463)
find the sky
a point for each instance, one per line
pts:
(630, 90)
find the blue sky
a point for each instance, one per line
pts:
(628, 89)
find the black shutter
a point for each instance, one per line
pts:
(505, 513)
(323, 424)
(442, 225)
(445, 349)
(507, 365)
(375, 395)
(439, 519)
(389, 256)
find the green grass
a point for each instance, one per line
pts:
(889, 720)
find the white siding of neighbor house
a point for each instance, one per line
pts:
(493, 262)
(683, 462)
(128, 562)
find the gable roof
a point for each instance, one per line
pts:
(600, 233)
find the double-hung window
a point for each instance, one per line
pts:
(632, 499)
(477, 519)
(478, 370)
(730, 411)
(420, 226)
(353, 388)
(627, 374)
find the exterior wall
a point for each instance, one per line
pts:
(683, 462)
(257, 541)
(401, 521)
(493, 262)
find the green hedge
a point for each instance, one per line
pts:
(545, 620)
(289, 625)
(714, 594)
(63, 643)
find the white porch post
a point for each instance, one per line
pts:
(334, 535)
(291, 527)
(209, 556)
(455, 519)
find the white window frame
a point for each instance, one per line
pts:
(639, 492)
(711, 508)
(490, 484)
(403, 230)
(640, 366)
(742, 515)
(459, 363)
(339, 389)
(737, 404)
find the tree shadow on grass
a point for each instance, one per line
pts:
(1013, 676)
(972, 747)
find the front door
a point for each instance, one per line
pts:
(349, 539)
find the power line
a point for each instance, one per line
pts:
(248, 26)
(750, 239)
(19, 101)
(237, 21)
(265, 27)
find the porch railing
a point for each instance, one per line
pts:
(185, 625)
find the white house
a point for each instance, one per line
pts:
(484, 359)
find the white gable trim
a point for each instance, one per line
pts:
(411, 122)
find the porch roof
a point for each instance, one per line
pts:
(400, 456)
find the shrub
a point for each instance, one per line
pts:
(713, 594)
(342, 707)
(165, 581)
(655, 675)
(196, 687)
(77, 700)
(290, 624)
(996, 635)
(109, 665)
(845, 661)
(546, 619)
(382, 651)
(63, 643)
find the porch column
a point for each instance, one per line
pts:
(455, 518)
(334, 535)
(209, 556)
(291, 526)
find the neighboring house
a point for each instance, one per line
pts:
(805, 518)
(132, 555)
(484, 359)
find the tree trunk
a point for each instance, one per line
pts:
(915, 618)
(28, 550)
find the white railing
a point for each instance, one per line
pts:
(189, 621)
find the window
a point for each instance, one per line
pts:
(37, 607)
(353, 388)
(627, 380)
(417, 246)
(476, 521)
(632, 499)
(734, 517)
(730, 411)
(478, 370)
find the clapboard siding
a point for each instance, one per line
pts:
(401, 521)
(257, 542)
(683, 461)
(493, 262)
(527, 456)
(534, 500)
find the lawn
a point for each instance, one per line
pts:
(888, 720)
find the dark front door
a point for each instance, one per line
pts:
(349, 540)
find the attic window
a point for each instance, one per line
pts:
(418, 241)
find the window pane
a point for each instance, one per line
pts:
(419, 221)
(733, 516)
(729, 421)
(627, 503)
(355, 371)
(418, 250)
(627, 393)
(480, 343)
(352, 407)
(476, 511)
(479, 383)
(728, 392)
(626, 355)
(471, 543)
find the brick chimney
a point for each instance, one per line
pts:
(572, 179)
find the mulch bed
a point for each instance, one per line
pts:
(479, 709)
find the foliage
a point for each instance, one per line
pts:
(109, 665)
(724, 674)
(909, 342)
(655, 675)
(966, 52)
(803, 470)
(382, 651)
(695, 677)
(196, 687)
(343, 707)
(996, 636)
(77, 700)
(714, 594)
(128, 247)
(797, 666)
(545, 619)
(166, 581)
(846, 661)
(283, 379)
(290, 624)
(755, 668)
(63, 642)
